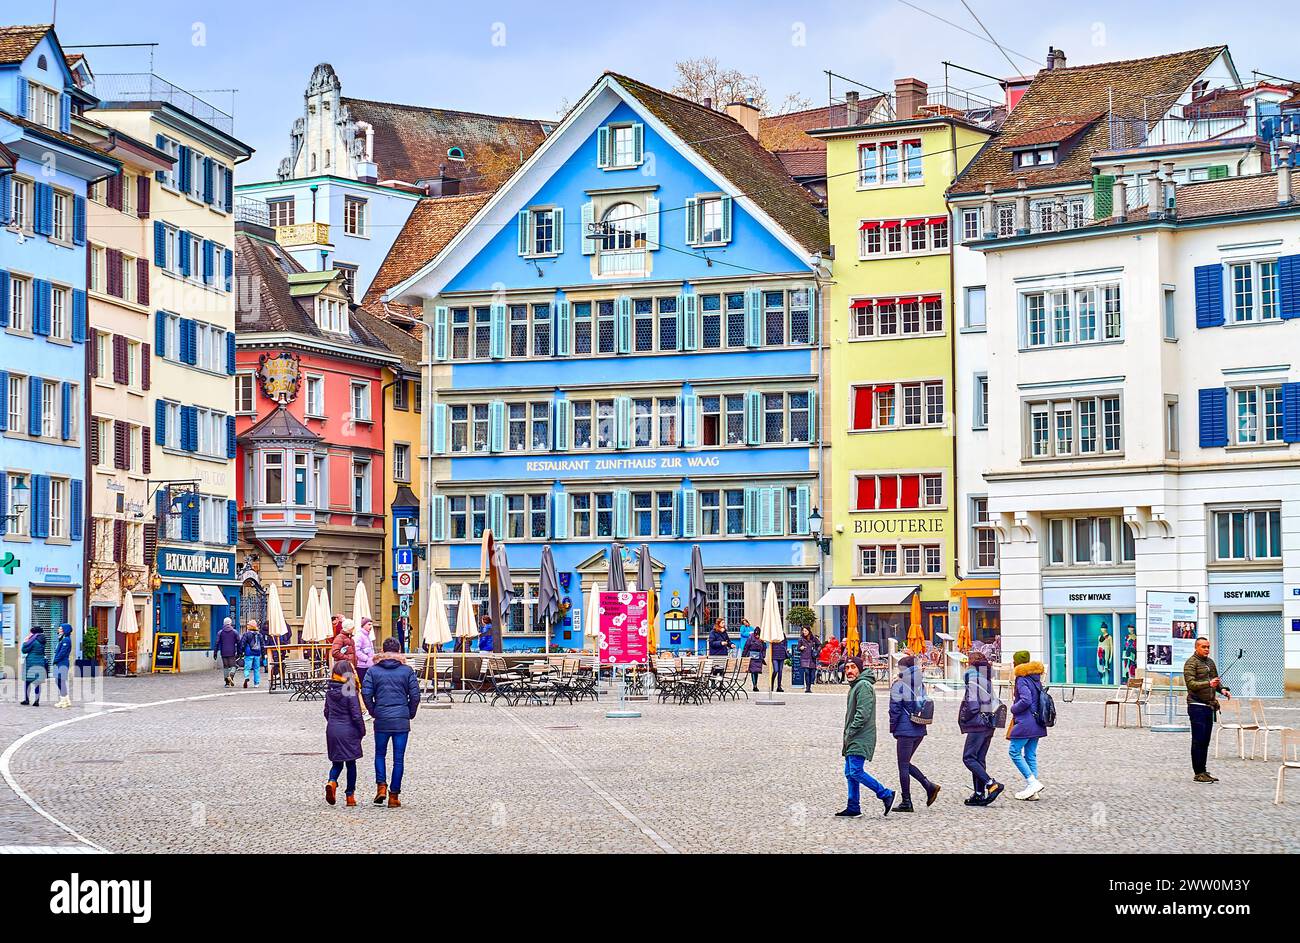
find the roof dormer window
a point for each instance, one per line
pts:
(332, 315)
(456, 153)
(1036, 157)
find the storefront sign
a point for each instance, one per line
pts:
(9, 563)
(1171, 630)
(624, 628)
(176, 563)
(1267, 595)
(1078, 597)
(898, 525)
(748, 462)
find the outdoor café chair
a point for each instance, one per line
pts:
(1265, 728)
(1290, 760)
(1120, 700)
(1233, 717)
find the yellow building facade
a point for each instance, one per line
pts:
(891, 495)
(403, 482)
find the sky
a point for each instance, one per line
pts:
(533, 59)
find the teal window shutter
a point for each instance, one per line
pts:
(688, 328)
(497, 514)
(559, 515)
(690, 505)
(557, 229)
(588, 222)
(438, 517)
(497, 336)
(561, 412)
(525, 238)
(624, 324)
(651, 223)
(622, 513)
(497, 426)
(441, 326)
(814, 312)
(753, 417)
(563, 332)
(726, 218)
(751, 512)
(814, 430)
(753, 318)
(602, 147)
(690, 421)
(692, 220)
(638, 142)
(802, 496)
(623, 422)
(439, 428)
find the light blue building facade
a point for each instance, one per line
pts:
(625, 347)
(43, 333)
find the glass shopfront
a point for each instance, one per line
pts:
(1091, 632)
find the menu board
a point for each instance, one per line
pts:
(624, 628)
(166, 650)
(1171, 630)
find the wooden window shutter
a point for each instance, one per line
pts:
(146, 451)
(121, 371)
(142, 280)
(145, 367)
(142, 196)
(121, 445)
(119, 541)
(150, 542)
(93, 434)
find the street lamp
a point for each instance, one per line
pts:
(815, 529)
(17, 500)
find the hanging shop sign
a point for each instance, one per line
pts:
(279, 375)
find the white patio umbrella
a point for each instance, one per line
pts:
(128, 625)
(309, 613)
(465, 627)
(275, 623)
(770, 629)
(312, 621)
(361, 608)
(437, 632)
(591, 627)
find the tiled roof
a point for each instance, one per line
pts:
(269, 307)
(786, 132)
(804, 163)
(1126, 89)
(432, 224)
(411, 143)
(1062, 129)
(17, 42)
(56, 135)
(279, 425)
(739, 158)
(1227, 195)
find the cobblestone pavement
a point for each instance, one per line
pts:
(210, 771)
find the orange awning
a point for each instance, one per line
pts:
(976, 588)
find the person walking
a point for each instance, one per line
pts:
(1026, 729)
(366, 648)
(227, 647)
(35, 667)
(860, 741)
(62, 659)
(252, 648)
(780, 652)
(392, 696)
(809, 651)
(1201, 678)
(754, 650)
(344, 731)
(719, 640)
(344, 644)
(977, 718)
(907, 708)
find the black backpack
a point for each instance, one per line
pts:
(1045, 708)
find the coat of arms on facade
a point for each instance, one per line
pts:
(279, 377)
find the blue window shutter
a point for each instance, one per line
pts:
(690, 421)
(4, 298)
(78, 220)
(1291, 412)
(525, 244)
(726, 218)
(497, 514)
(1214, 417)
(814, 312)
(688, 321)
(230, 268)
(753, 417)
(588, 221)
(40, 515)
(562, 413)
(41, 307)
(185, 167)
(441, 325)
(557, 227)
(623, 323)
(65, 113)
(159, 244)
(230, 353)
(190, 519)
(160, 143)
(79, 330)
(4, 504)
(753, 318)
(622, 513)
(559, 515)
(207, 180)
(209, 261)
(232, 522)
(45, 203)
(230, 437)
(189, 337)
(439, 428)
(602, 147)
(563, 332)
(183, 242)
(6, 200)
(65, 422)
(4, 417)
(1288, 286)
(160, 334)
(802, 497)
(690, 513)
(22, 97)
(189, 428)
(160, 422)
(438, 517)
(497, 335)
(1209, 295)
(76, 509)
(497, 426)
(34, 405)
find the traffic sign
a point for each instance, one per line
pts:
(405, 560)
(404, 605)
(405, 583)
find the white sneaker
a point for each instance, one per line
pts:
(1031, 790)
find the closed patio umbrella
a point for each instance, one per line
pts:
(770, 629)
(915, 637)
(129, 626)
(591, 627)
(361, 608)
(617, 581)
(500, 586)
(963, 626)
(275, 623)
(645, 581)
(852, 641)
(465, 627)
(697, 599)
(548, 593)
(437, 632)
(311, 621)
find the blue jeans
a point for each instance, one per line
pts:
(253, 663)
(399, 757)
(857, 775)
(1024, 754)
(352, 775)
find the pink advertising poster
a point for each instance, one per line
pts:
(624, 630)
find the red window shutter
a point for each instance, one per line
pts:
(119, 541)
(93, 434)
(911, 493)
(862, 407)
(92, 351)
(121, 373)
(121, 445)
(113, 259)
(90, 537)
(867, 493)
(888, 493)
(142, 197)
(146, 451)
(115, 192)
(150, 543)
(142, 281)
(145, 367)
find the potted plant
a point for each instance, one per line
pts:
(801, 617)
(88, 663)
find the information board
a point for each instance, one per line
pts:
(1171, 630)
(624, 628)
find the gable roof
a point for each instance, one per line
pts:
(17, 42)
(411, 143)
(730, 150)
(1124, 89)
(788, 132)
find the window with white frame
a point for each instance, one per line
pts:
(900, 559)
(975, 313)
(20, 304)
(543, 237)
(361, 487)
(281, 212)
(172, 425)
(1245, 535)
(1259, 413)
(211, 432)
(360, 401)
(19, 522)
(20, 208)
(622, 141)
(983, 537)
(332, 315)
(1087, 541)
(58, 508)
(890, 163)
(980, 410)
(43, 105)
(356, 220)
(1253, 290)
(622, 242)
(60, 312)
(1074, 426)
(885, 318)
(314, 396)
(61, 223)
(923, 235)
(245, 394)
(972, 224)
(171, 175)
(401, 462)
(914, 404)
(1069, 316)
(196, 176)
(898, 491)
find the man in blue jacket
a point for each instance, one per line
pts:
(392, 696)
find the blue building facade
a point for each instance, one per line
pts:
(43, 332)
(625, 347)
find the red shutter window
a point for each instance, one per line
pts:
(910, 496)
(121, 369)
(93, 433)
(146, 451)
(90, 537)
(862, 407)
(866, 493)
(142, 281)
(115, 192)
(145, 367)
(121, 445)
(113, 259)
(119, 541)
(142, 196)
(92, 351)
(888, 493)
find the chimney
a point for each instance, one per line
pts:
(851, 109)
(1055, 58)
(909, 98)
(708, 103)
(1169, 191)
(746, 113)
(990, 213)
(1022, 207)
(1155, 193)
(441, 185)
(1119, 196)
(1285, 194)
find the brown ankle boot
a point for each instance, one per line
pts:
(381, 793)
(331, 791)
(350, 801)
(393, 801)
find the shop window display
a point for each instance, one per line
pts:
(1089, 648)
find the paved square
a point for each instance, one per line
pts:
(208, 771)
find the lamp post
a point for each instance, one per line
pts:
(17, 500)
(815, 528)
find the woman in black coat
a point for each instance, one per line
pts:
(809, 650)
(754, 651)
(344, 730)
(780, 652)
(976, 718)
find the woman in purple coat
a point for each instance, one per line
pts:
(1026, 729)
(344, 730)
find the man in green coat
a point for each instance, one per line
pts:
(860, 741)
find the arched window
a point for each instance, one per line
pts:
(456, 153)
(327, 157)
(313, 162)
(42, 64)
(624, 228)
